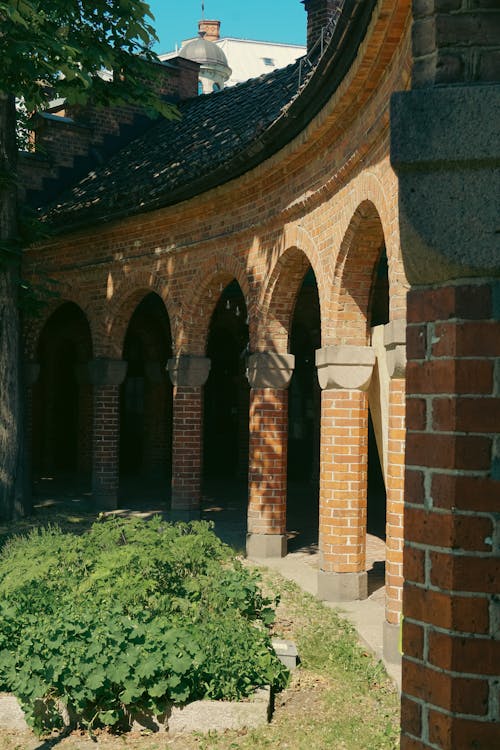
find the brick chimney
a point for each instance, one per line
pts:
(319, 12)
(210, 30)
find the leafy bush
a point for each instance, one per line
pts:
(127, 618)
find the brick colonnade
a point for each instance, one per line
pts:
(445, 148)
(188, 375)
(269, 375)
(395, 345)
(344, 374)
(106, 375)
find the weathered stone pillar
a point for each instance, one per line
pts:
(446, 151)
(269, 375)
(188, 374)
(106, 375)
(344, 374)
(395, 345)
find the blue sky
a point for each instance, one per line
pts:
(266, 20)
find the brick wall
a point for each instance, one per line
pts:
(455, 41)
(451, 635)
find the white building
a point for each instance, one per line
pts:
(225, 61)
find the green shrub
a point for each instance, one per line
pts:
(126, 618)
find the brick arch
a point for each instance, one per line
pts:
(126, 298)
(279, 295)
(352, 284)
(37, 325)
(202, 295)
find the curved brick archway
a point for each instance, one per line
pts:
(34, 330)
(354, 274)
(202, 296)
(280, 294)
(125, 300)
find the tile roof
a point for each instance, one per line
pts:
(214, 130)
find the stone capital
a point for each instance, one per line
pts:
(270, 370)
(344, 366)
(31, 373)
(188, 370)
(446, 152)
(395, 346)
(104, 371)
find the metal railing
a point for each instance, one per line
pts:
(309, 62)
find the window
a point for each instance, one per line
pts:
(215, 87)
(268, 60)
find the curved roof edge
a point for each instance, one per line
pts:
(310, 99)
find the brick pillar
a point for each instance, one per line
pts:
(106, 375)
(188, 375)
(269, 375)
(344, 374)
(446, 151)
(395, 344)
(319, 13)
(452, 555)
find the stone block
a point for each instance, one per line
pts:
(188, 371)
(103, 371)
(266, 545)
(287, 653)
(345, 367)
(391, 638)
(270, 370)
(395, 346)
(342, 587)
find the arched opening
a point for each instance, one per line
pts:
(304, 409)
(379, 316)
(146, 405)
(62, 405)
(226, 396)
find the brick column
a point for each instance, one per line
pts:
(445, 149)
(188, 375)
(344, 374)
(269, 375)
(395, 344)
(106, 375)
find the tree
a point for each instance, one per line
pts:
(45, 47)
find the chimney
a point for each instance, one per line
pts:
(210, 30)
(319, 12)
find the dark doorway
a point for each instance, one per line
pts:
(226, 399)
(146, 405)
(304, 407)
(62, 405)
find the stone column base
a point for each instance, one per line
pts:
(102, 501)
(391, 643)
(342, 587)
(184, 514)
(266, 545)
